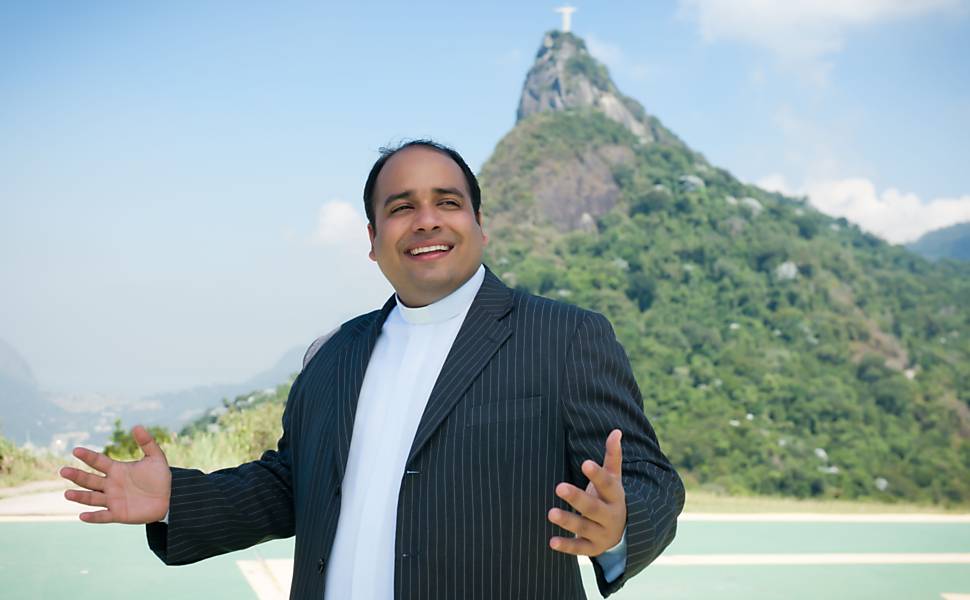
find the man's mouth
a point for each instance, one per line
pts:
(430, 251)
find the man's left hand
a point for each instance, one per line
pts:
(602, 507)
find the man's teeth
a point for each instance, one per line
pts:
(424, 249)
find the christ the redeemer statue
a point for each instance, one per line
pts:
(567, 13)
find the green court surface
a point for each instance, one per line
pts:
(80, 561)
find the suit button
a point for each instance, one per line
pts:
(321, 566)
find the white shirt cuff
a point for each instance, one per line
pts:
(613, 560)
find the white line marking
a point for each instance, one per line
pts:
(270, 579)
(693, 560)
(39, 518)
(825, 518)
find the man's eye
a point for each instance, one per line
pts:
(399, 207)
(451, 202)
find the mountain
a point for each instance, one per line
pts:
(25, 413)
(60, 421)
(948, 242)
(779, 351)
(175, 409)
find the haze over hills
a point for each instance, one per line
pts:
(778, 350)
(25, 412)
(28, 414)
(175, 409)
(946, 242)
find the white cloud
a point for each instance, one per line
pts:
(801, 32)
(896, 216)
(340, 223)
(347, 279)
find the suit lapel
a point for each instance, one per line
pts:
(480, 336)
(350, 372)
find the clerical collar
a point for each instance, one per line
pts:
(448, 307)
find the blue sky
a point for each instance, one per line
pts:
(180, 181)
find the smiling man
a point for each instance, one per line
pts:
(464, 441)
(424, 223)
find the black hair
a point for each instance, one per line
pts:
(387, 152)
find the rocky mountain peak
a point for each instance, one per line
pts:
(14, 368)
(566, 76)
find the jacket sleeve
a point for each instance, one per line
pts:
(229, 509)
(600, 394)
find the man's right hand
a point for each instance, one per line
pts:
(134, 492)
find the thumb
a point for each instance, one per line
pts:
(613, 460)
(146, 442)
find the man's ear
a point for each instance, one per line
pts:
(478, 217)
(371, 235)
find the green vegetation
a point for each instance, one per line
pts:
(779, 351)
(561, 38)
(242, 431)
(18, 465)
(584, 65)
(249, 428)
(124, 447)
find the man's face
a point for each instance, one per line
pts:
(428, 241)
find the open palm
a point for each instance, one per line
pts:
(135, 492)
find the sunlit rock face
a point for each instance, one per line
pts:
(566, 76)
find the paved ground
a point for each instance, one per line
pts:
(724, 556)
(33, 487)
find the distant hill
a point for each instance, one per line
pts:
(779, 350)
(25, 413)
(29, 414)
(175, 409)
(948, 242)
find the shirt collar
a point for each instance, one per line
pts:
(448, 307)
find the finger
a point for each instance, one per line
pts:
(93, 459)
(147, 443)
(89, 498)
(586, 504)
(577, 546)
(83, 478)
(608, 487)
(613, 461)
(98, 516)
(581, 526)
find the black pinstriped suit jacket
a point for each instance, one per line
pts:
(530, 389)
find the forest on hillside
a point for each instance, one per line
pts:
(779, 351)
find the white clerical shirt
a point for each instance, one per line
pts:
(403, 368)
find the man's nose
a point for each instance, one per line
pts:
(426, 218)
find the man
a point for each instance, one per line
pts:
(462, 442)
